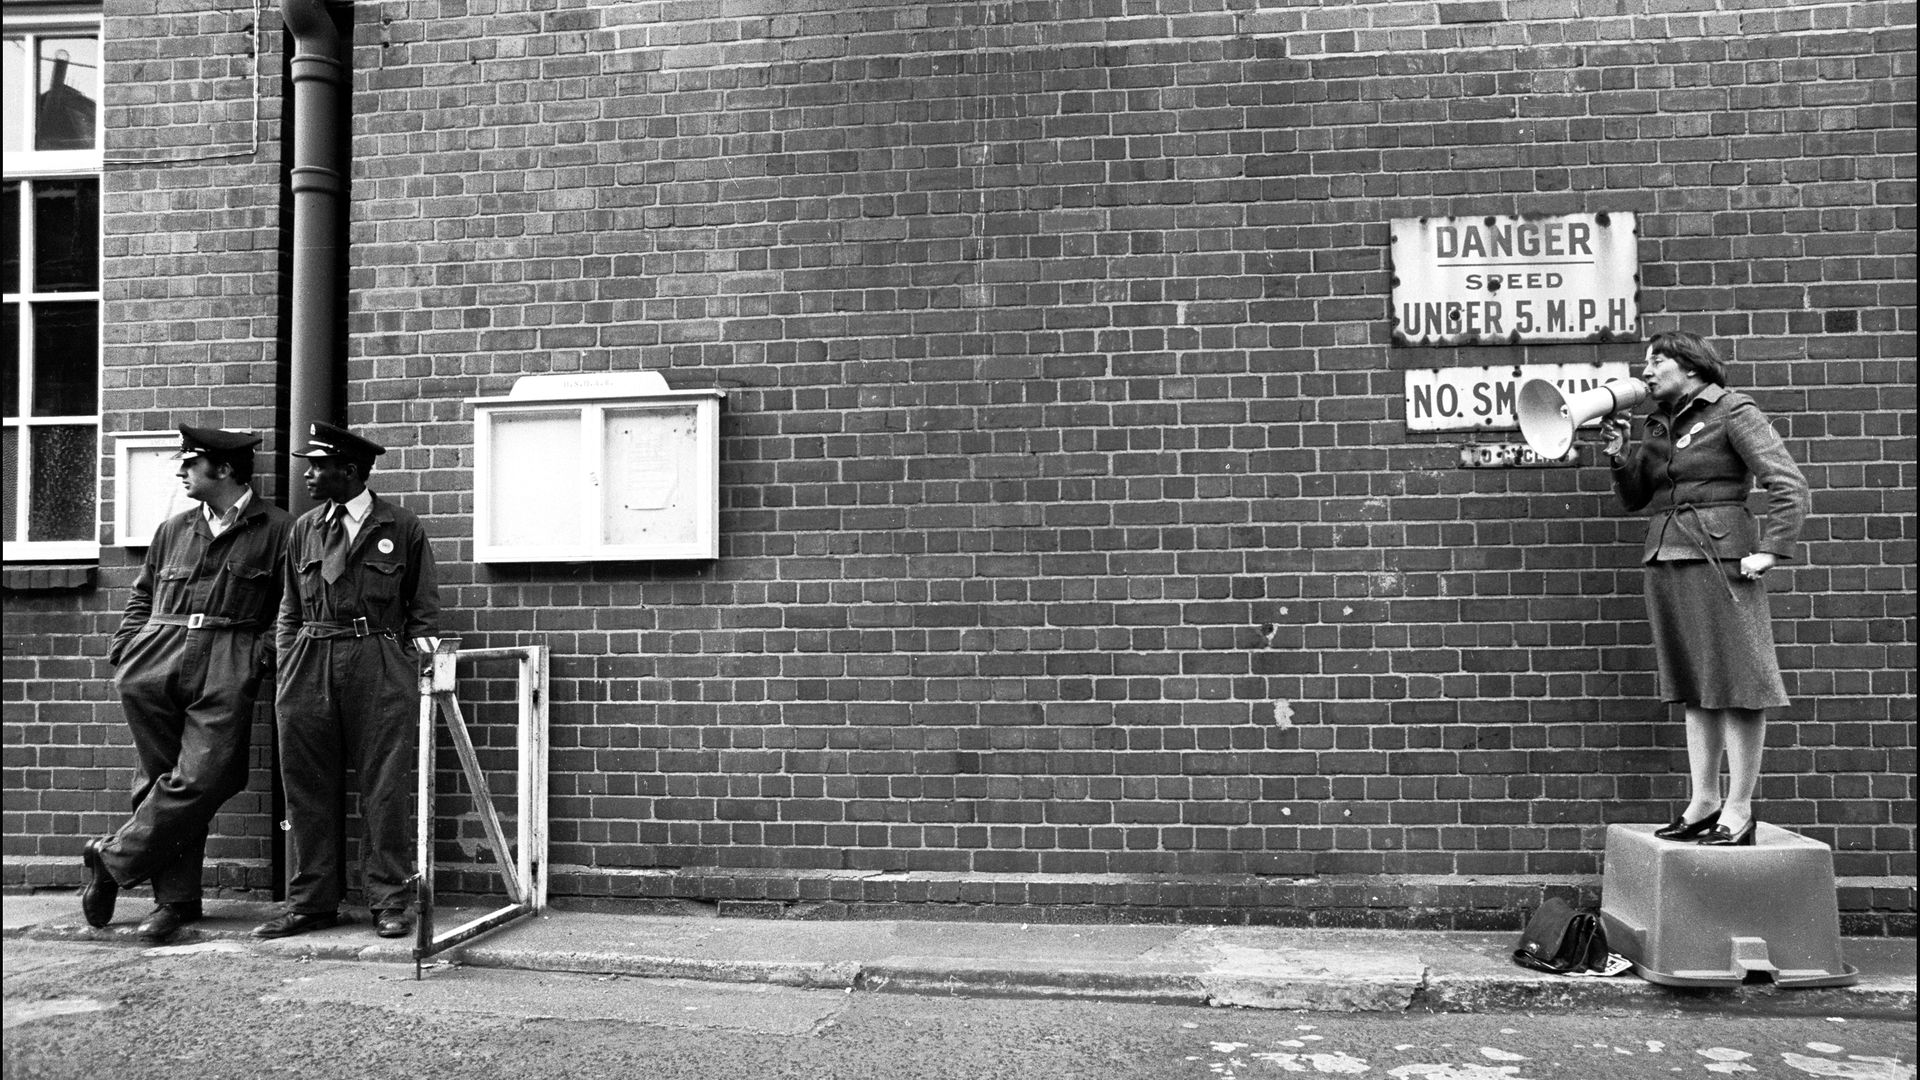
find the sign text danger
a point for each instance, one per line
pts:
(1513, 280)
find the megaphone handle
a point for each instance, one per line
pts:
(1617, 427)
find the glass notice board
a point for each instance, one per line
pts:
(147, 488)
(536, 460)
(648, 465)
(564, 477)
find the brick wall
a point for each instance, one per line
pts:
(1075, 554)
(190, 224)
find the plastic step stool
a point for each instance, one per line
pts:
(1688, 915)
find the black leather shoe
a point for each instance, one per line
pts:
(97, 896)
(1683, 830)
(296, 922)
(1721, 836)
(167, 919)
(392, 923)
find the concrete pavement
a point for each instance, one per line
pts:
(1252, 967)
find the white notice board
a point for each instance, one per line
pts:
(652, 468)
(146, 485)
(605, 467)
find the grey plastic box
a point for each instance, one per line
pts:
(1688, 915)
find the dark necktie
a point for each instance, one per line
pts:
(333, 562)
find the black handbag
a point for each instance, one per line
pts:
(1560, 940)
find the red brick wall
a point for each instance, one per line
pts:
(1071, 528)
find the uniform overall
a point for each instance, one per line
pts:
(349, 695)
(191, 652)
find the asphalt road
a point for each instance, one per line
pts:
(217, 1011)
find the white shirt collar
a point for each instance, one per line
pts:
(358, 506)
(220, 523)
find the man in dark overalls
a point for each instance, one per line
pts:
(359, 610)
(193, 647)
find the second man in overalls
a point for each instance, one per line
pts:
(360, 609)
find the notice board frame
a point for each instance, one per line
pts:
(544, 496)
(146, 485)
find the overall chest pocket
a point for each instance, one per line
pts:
(312, 587)
(171, 587)
(382, 579)
(241, 591)
(247, 580)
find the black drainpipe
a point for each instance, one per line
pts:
(318, 180)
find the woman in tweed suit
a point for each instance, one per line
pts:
(1706, 558)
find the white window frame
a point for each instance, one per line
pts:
(28, 22)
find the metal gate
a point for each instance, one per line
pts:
(524, 874)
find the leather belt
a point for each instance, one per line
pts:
(199, 621)
(354, 628)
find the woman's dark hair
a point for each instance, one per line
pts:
(1694, 353)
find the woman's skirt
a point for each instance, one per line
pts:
(1715, 644)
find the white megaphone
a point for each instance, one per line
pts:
(1548, 418)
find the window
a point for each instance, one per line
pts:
(51, 284)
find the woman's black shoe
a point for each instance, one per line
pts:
(1684, 831)
(1722, 837)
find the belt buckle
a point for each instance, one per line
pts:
(196, 620)
(360, 627)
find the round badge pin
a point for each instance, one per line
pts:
(386, 547)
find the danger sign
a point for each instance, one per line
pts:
(1515, 280)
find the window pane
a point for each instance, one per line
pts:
(11, 349)
(10, 255)
(66, 235)
(11, 463)
(66, 359)
(12, 63)
(60, 492)
(69, 94)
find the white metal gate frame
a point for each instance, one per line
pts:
(525, 876)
